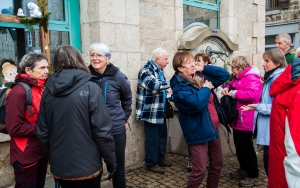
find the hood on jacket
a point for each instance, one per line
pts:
(23, 77)
(65, 82)
(248, 70)
(109, 71)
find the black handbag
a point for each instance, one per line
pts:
(169, 111)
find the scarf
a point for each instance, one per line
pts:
(197, 81)
(268, 74)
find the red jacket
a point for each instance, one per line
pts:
(284, 150)
(24, 145)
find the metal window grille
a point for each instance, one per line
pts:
(272, 4)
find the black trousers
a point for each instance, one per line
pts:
(266, 158)
(245, 152)
(90, 183)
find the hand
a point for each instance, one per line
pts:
(248, 107)
(111, 168)
(169, 91)
(225, 92)
(208, 84)
(127, 125)
(230, 92)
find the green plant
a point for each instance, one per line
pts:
(43, 21)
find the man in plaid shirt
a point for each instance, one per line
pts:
(152, 90)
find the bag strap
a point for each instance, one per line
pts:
(28, 91)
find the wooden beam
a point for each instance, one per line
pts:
(9, 18)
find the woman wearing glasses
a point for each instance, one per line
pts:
(198, 115)
(117, 94)
(247, 89)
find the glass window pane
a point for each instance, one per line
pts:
(57, 39)
(6, 6)
(210, 1)
(194, 14)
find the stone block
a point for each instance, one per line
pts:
(127, 38)
(258, 29)
(261, 13)
(179, 18)
(119, 59)
(85, 37)
(92, 13)
(108, 35)
(132, 12)
(169, 3)
(259, 2)
(150, 9)
(168, 18)
(112, 11)
(260, 45)
(178, 3)
(257, 60)
(133, 68)
(226, 8)
(4, 150)
(94, 33)
(229, 26)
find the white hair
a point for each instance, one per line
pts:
(297, 51)
(100, 48)
(158, 52)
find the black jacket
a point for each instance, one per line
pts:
(74, 125)
(117, 95)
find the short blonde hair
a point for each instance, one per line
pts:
(240, 62)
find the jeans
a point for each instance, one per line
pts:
(155, 143)
(90, 183)
(245, 152)
(119, 180)
(30, 175)
(266, 158)
(199, 161)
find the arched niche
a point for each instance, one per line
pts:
(199, 38)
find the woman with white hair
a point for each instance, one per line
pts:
(117, 94)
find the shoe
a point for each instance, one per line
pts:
(164, 163)
(189, 166)
(238, 174)
(249, 182)
(156, 169)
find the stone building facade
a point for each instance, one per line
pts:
(133, 29)
(282, 19)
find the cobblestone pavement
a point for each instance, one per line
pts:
(177, 175)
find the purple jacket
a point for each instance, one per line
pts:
(248, 88)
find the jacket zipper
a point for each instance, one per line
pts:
(104, 90)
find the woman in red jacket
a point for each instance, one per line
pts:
(26, 154)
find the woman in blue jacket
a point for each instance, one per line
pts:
(274, 64)
(117, 95)
(198, 116)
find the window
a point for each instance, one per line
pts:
(272, 4)
(63, 28)
(202, 12)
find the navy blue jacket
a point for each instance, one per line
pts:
(117, 95)
(193, 114)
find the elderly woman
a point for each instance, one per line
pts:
(198, 116)
(26, 154)
(117, 94)
(247, 90)
(274, 64)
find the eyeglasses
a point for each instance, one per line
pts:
(97, 56)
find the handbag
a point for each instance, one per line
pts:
(169, 111)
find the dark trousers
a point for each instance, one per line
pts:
(155, 143)
(119, 180)
(245, 152)
(266, 158)
(90, 183)
(30, 175)
(199, 153)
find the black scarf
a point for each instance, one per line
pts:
(268, 74)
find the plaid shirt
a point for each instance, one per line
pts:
(150, 100)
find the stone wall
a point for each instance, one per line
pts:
(287, 15)
(244, 22)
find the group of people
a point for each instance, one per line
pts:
(79, 116)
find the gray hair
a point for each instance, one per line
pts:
(29, 60)
(286, 37)
(100, 48)
(158, 52)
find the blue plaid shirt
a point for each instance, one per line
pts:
(151, 93)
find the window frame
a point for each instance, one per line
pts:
(70, 25)
(205, 5)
